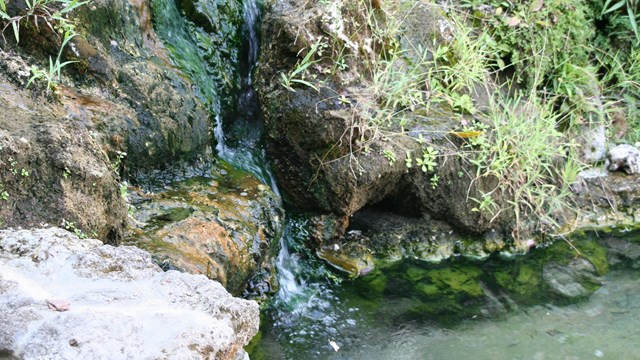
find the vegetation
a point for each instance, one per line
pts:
(547, 65)
(48, 14)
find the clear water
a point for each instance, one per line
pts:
(386, 316)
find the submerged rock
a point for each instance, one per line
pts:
(352, 258)
(110, 303)
(571, 281)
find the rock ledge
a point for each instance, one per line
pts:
(67, 298)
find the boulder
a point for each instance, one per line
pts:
(68, 298)
(328, 156)
(625, 158)
(224, 226)
(53, 171)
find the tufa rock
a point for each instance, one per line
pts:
(624, 157)
(119, 304)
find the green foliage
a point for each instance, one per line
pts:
(390, 156)
(71, 226)
(52, 76)
(297, 75)
(427, 162)
(535, 38)
(629, 7)
(54, 14)
(533, 162)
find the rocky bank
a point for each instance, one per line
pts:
(68, 298)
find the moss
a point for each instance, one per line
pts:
(524, 280)
(462, 280)
(561, 252)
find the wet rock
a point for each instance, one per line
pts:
(119, 303)
(625, 158)
(608, 200)
(352, 258)
(123, 89)
(207, 226)
(328, 157)
(393, 237)
(571, 281)
(623, 248)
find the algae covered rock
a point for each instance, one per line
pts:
(68, 298)
(352, 258)
(223, 226)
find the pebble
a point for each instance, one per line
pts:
(598, 353)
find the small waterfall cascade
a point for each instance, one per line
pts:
(250, 156)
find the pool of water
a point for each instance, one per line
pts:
(496, 309)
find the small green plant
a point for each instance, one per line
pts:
(427, 162)
(71, 226)
(297, 75)
(390, 156)
(434, 181)
(52, 76)
(486, 204)
(24, 173)
(115, 167)
(54, 15)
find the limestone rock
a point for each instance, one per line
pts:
(119, 305)
(624, 157)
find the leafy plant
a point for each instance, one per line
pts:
(390, 156)
(52, 76)
(53, 13)
(427, 162)
(297, 75)
(630, 6)
(523, 152)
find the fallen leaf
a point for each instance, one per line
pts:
(58, 305)
(537, 5)
(334, 345)
(514, 21)
(467, 134)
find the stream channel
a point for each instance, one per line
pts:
(500, 308)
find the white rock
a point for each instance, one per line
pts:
(120, 305)
(624, 157)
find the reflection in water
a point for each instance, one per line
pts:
(457, 310)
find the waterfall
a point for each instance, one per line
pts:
(251, 156)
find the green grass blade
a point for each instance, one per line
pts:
(16, 31)
(616, 6)
(72, 5)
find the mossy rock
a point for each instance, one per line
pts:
(525, 280)
(562, 253)
(462, 280)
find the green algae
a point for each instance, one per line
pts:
(206, 53)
